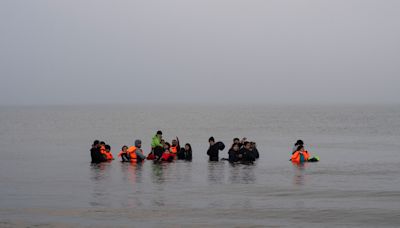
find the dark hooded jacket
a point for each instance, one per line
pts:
(213, 151)
(96, 155)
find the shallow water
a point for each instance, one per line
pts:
(47, 180)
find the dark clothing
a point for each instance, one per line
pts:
(247, 155)
(158, 152)
(256, 154)
(213, 151)
(181, 154)
(96, 155)
(188, 155)
(125, 157)
(184, 155)
(233, 156)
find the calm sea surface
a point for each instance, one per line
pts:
(46, 179)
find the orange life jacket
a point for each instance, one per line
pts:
(173, 149)
(166, 156)
(103, 150)
(109, 156)
(296, 157)
(132, 153)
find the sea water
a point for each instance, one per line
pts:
(46, 179)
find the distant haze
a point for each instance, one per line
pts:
(199, 51)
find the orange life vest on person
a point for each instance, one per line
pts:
(166, 156)
(103, 150)
(297, 156)
(132, 153)
(173, 149)
(109, 156)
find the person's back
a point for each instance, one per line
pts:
(181, 154)
(95, 153)
(254, 150)
(213, 150)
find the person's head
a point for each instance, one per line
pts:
(174, 142)
(159, 133)
(124, 149)
(108, 148)
(188, 147)
(235, 147)
(95, 143)
(166, 145)
(211, 140)
(300, 148)
(138, 143)
(102, 143)
(299, 143)
(162, 142)
(236, 140)
(246, 145)
(252, 145)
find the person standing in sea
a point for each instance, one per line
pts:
(156, 146)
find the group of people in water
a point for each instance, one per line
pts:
(241, 151)
(161, 151)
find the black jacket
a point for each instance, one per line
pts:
(184, 155)
(213, 151)
(233, 156)
(247, 155)
(96, 155)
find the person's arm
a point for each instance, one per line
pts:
(140, 154)
(177, 142)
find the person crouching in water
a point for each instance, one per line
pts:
(157, 146)
(108, 155)
(300, 155)
(136, 153)
(167, 155)
(124, 154)
(185, 153)
(213, 150)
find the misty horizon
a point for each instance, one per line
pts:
(199, 52)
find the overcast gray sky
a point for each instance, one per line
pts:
(173, 51)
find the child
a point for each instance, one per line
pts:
(108, 153)
(300, 155)
(297, 144)
(167, 155)
(124, 154)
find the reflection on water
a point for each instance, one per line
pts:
(131, 172)
(299, 169)
(99, 171)
(99, 175)
(159, 172)
(216, 174)
(243, 174)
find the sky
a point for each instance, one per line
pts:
(199, 51)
